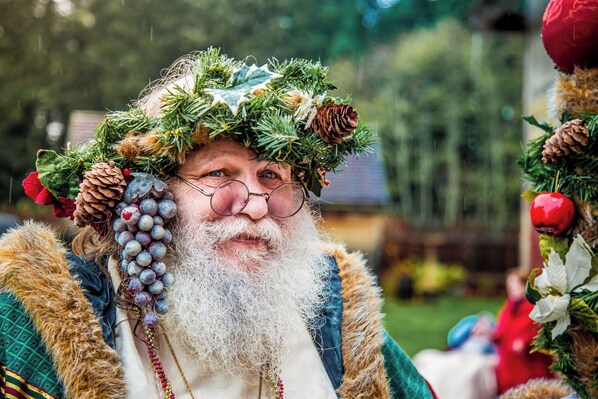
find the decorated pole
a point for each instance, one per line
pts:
(562, 167)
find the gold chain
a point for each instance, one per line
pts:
(178, 366)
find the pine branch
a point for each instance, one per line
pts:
(302, 74)
(277, 136)
(119, 123)
(212, 68)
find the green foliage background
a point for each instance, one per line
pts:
(444, 100)
(422, 325)
(447, 103)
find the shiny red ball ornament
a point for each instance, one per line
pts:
(552, 213)
(570, 33)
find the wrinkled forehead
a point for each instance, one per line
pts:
(227, 151)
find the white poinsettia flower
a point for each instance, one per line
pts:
(553, 308)
(558, 279)
(578, 263)
(591, 285)
(553, 277)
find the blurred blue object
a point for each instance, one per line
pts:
(473, 333)
(461, 331)
(8, 221)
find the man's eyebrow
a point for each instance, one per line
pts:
(214, 155)
(218, 154)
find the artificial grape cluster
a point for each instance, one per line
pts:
(140, 230)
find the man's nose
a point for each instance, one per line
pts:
(257, 204)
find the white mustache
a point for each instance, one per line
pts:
(230, 228)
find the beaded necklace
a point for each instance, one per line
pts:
(267, 374)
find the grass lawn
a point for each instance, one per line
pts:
(418, 325)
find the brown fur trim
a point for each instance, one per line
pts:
(201, 135)
(34, 269)
(128, 147)
(576, 93)
(151, 144)
(540, 388)
(362, 329)
(137, 144)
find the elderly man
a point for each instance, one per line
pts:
(200, 272)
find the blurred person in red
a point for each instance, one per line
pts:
(514, 335)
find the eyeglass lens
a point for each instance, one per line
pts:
(232, 196)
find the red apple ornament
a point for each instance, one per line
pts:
(552, 213)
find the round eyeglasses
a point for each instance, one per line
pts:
(232, 196)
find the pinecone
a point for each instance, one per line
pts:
(101, 188)
(334, 122)
(567, 140)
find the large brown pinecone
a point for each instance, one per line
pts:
(334, 122)
(568, 139)
(101, 188)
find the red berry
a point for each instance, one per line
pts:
(127, 172)
(552, 213)
(126, 215)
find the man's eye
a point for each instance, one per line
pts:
(269, 175)
(270, 179)
(215, 173)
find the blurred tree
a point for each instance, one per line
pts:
(60, 55)
(29, 38)
(386, 18)
(447, 103)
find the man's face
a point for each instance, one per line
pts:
(216, 163)
(243, 283)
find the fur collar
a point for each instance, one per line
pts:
(362, 329)
(540, 388)
(34, 269)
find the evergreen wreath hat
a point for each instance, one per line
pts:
(562, 166)
(281, 110)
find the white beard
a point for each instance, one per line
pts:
(234, 315)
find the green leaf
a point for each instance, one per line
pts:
(529, 195)
(560, 244)
(56, 174)
(531, 294)
(584, 314)
(542, 125)
(243, 82)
